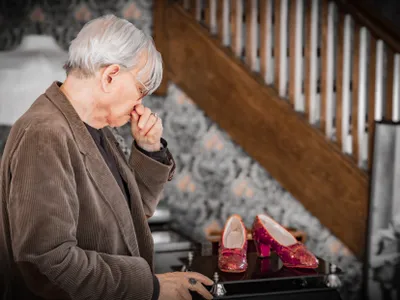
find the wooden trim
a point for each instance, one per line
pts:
(161, 40)
(371, 99)
(355, 89)
(308, 58)
(220, 17)
(324, 62)
(339, 80)
(264, 31)
(313, 170)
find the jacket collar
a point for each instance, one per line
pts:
(79, 130)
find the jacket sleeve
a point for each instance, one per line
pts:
(151, 176)
(43, 210)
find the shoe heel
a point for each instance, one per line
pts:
(263, 250)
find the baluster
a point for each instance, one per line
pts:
(219, 8)
(339, 78)
(296, 54)
(327, 67)
(213, 16)
(347, 77)
(389, 84)
(362, 95)
(311, 53)
(372, 87)
(223, 21)
(355, 89)
(280, 51)
(251, 34)
(380, 50)
(266, 40)
(236, 25)
(396, 88)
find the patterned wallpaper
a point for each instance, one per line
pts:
(215, 177)
(63, 18)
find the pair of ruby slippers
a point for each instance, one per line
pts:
(267, 235)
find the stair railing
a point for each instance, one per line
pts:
(329, 60)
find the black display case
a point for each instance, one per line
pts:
(265, 278)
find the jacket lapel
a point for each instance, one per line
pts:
(143, 237)
(99, 172)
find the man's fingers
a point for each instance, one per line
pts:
(135, 117)
(151, 122)
(199, 277)
(139, 109)
(154, 133)
(134, 123)
(184, 293)
(200, 289)
(144, 118)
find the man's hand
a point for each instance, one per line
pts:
(176, 285)
(146, 128)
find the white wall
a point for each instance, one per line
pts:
(26, 72)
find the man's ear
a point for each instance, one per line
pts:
(108, 76)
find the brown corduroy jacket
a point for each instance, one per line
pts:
(66, 230)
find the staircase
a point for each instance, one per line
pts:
(298, 84)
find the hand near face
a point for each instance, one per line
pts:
(146, 128)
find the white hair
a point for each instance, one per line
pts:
(111, 40)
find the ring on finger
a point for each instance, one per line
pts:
(154, 114)
(192, 281)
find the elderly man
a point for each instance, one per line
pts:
(74, 210)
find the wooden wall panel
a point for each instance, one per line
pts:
(160, 40)
(312, 169)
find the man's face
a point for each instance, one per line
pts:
(122, 91)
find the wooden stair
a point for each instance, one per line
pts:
(239, 97)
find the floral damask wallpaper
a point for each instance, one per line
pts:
(63, 18)
(215, 177)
